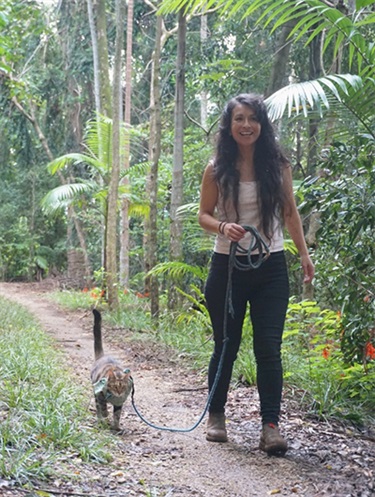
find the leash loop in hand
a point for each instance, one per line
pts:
(253, 261)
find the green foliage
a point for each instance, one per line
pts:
(292, 97)
(343, 196)
(96, 165)
(42, 412)
(315, 365)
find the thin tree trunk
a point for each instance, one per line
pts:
(315, 71)
(124, 236)
(178, 156)
(203, 96)
(95, 56)
(105, 85)
(279, 68)
(150, 237)
(102, 84)
(111, 245)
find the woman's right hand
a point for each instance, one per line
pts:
(234, 232)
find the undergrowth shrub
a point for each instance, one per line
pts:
(342, 199)
(314, 364)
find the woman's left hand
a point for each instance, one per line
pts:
(308, 268)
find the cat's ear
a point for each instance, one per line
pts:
(100, 385)
(127, 371)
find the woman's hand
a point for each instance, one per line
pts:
(234, 232)
(308, 268)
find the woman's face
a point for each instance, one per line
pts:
(245, 127)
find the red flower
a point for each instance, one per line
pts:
(85, 290)
(326, 352)
(369, 350)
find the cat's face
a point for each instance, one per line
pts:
(119, 382)
(115, 386)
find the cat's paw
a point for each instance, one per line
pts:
(117, 430)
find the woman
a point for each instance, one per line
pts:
(249, 183)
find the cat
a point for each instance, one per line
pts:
(112, 383)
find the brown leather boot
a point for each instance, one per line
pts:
(216, 431)
(271, 441)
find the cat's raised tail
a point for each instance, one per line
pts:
(98, 343)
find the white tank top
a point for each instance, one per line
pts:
(248, 211)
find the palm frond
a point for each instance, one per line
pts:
(177, 270)
(98, 139)
(310, 17)
(64, 161)
(62, 196)
(198, 239)
(311, 95)
(188, 210)
(136, 171)
(139, 210)
(191, 6)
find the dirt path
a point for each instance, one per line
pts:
(323, 460)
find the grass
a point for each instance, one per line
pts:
(42, 411)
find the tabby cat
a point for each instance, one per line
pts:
(112, 384)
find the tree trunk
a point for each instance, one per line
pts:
(315, 71)
(105, 85)
(204, 98)
(103, 99)
(178, 156)
(278, 77)
(151, 236)
(95, 55)
(111, 245)
(124, 236)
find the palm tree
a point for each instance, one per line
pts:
(97, 164)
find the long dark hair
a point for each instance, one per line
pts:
(269, 161)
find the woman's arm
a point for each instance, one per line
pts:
(294, 226)
(209, 197)
(208, 201)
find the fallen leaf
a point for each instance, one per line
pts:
(118, 474)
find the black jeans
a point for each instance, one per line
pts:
(267, 291)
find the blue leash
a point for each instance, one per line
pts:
(252, 262)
